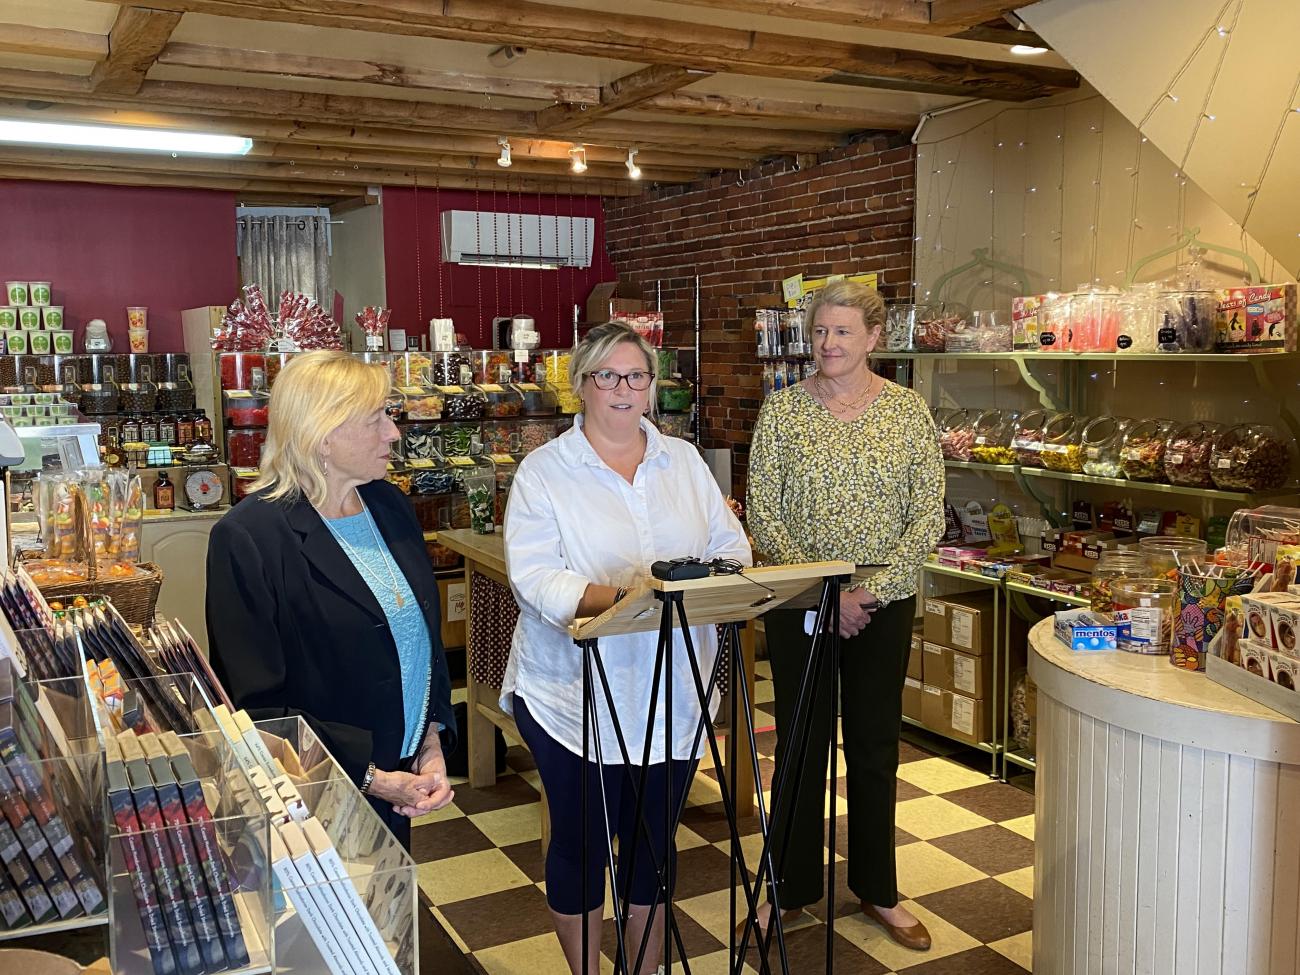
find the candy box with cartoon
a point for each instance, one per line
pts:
(1256, 318)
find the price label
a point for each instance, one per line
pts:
(521, 355)
(411, 390)
(490, 387)
(421, 462)
(1175, 458)
(451, 390)
(501, 458)
(238, 394)
(530, 387)
(391, 466)
(1224, 463)
(792, 288)
(247, 473)
(460, 462)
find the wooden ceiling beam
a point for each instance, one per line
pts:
(309, 136)
(897, 15)
(52, 42)
(214, 175)
(372, 73)
(621, 94)
(209, 100)
(955, 16)
(736, 106)
(137, 38)
(656, 40)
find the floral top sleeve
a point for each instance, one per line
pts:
(869, 491)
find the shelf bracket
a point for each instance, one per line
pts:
(1047, 398)
(1047, 511)
(1266, 383)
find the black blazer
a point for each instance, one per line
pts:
(295, 630)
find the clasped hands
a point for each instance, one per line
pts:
(856, 607)
(423, 789)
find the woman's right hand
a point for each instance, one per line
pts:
(856, 607)
(404, 791)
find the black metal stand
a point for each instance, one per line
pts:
(825, 652)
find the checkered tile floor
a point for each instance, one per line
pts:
(965, 867)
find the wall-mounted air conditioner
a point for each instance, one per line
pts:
(516, 239)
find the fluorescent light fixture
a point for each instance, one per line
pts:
(506, 262)
(633, 170)
(1026, 50)
(578, 155)
(121, 137)
(503, 160)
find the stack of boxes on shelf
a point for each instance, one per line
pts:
(958, 663)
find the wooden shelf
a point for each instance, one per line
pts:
(1059, 597)
(1220, 357)
(1190, 492)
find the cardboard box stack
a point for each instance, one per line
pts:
(957, 665)
(912, 685)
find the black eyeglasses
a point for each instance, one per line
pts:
(607, 379)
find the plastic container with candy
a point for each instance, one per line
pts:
(1188, 454)
(1143, 455)
(1027, 440)
(1063, 443)
(1250, 457)
(993, 430)
(957, 436)
(1103, 441)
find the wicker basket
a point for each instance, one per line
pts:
(135, 598)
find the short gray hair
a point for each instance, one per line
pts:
(600, 343)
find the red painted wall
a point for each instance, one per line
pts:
(472, 296)
(106, 247)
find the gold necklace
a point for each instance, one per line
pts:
(845, 406)
(392, 585)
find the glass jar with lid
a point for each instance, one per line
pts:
(1165, 553)
(501, 401)
(956, 435)
(1137, 320)
(1063, 443)
(505, 467)
(421, 402)
(450, 369)
(1259, 535)
(1143, 454)
(1027, 440)
(1094, 320)
(500, 436)
(462, 402)
(1250, 457)
(1186, 321)
(1103, 441)
(244, 447)
(539, 399)
(674, 396)
(1115, 564)
(1188, 453)
(492, 366)
(993, 430)
(1144, 610)
(900, 326)
(1055, 330)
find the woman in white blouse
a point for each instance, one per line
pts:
(588, 514)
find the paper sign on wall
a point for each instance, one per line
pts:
(455, 602)
(792, 288)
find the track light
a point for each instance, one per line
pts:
(578, 159)
(633, 170)
(503, 160)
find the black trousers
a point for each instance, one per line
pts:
(873, 666)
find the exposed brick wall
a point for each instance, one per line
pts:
(743, 233)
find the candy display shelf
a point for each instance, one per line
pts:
(1250, 499)
(1021, 757)
(1059, 597)
(971, 465)
(1031, 356)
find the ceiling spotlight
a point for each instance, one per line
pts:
(578, 159)
(503, 160)
(1026, 50)
(633, 170)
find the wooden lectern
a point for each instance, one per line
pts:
(729, 600)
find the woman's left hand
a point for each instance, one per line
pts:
(430, 769)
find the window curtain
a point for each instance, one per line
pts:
(286, 253)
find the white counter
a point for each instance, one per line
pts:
(1167, 834)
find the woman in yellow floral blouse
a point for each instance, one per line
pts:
(846, 465)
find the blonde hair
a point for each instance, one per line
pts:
(313, 396)
(849, 294)
(599, 344)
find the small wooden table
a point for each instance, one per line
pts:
(485, 555)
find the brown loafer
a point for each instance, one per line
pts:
(915, 937)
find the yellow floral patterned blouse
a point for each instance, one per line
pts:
(869, 491)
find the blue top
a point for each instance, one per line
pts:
(362, 542)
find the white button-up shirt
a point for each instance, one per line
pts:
(573, 521)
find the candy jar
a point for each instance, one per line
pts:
(492, 366)
(1062, 443)
(421, 402)
(539, 399)
(957, 437)
(1187, 321)
(1250, 457)
(462, 403)
(461, 439)
(1027, 441)
(421, 441)
(245, 408)
(992, 431)
(244, 447)
(1137, 320)
(1188, 454)
(901, 322)
(412, 369)
(675, 425)
(450, 369)
(1055, 331)
(1112, 565)
(674, 396)
(1144, 609)
(242, 370)
(500, 436)
(1143, 455)
(535, 433)
(501, 401)
(1166, 553)
(1103, 440)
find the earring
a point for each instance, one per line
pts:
(324, 466)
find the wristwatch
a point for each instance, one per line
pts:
(618, 596)
(368, 778)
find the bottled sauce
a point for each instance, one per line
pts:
(149, 428)
(131, 430)
(164, 493)
(202, 427)
(167, 430)
(185, 429)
